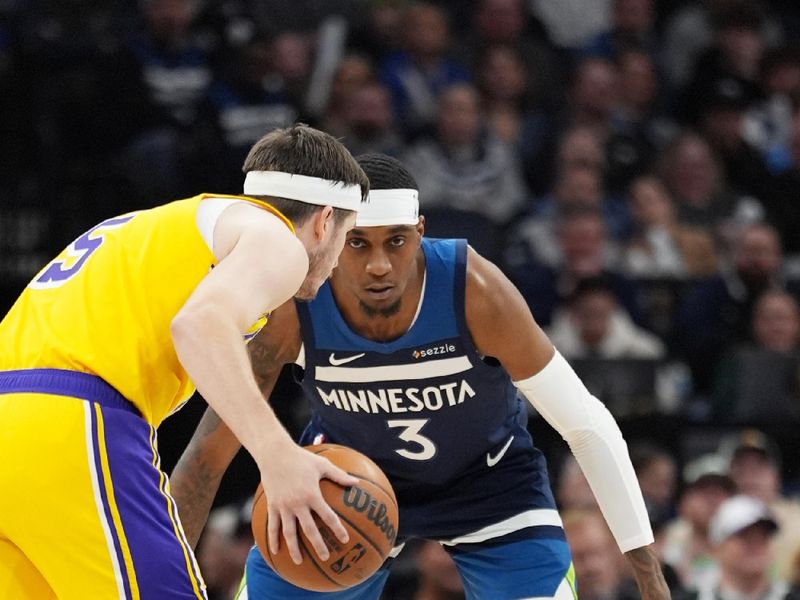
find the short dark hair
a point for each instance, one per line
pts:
(303, 150)
(385, 172)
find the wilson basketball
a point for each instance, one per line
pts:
(368, 511)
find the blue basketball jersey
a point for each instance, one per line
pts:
(444, 423)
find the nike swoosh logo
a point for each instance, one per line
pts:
(493, 460)
(342, 361)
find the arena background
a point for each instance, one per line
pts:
(632, 165)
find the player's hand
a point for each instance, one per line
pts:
(291, 485)
(647, 571)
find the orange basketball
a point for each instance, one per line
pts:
(368, 511)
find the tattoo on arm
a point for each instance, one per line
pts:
(195, 480)
(266, 363)
(647, 570)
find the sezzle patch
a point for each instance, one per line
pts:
(434, 350)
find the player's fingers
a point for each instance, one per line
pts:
(312, 533)
(273, 530)
(331, 519)
(338, 475)
(289, 525)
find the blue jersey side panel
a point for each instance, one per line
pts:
(426, 407)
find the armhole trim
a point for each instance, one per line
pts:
(208, 213)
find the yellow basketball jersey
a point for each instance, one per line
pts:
(104, 306)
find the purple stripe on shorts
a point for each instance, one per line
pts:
(158, 554)
(106, 508)
(63, 382)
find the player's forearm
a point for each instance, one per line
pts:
(266, 364)
(596, 441)
(197, 476)
(211, 349)
(647, 571)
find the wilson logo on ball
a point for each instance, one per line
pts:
(361, 501)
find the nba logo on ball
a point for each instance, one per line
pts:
(348, 560)
(367, 510)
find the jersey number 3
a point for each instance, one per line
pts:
(411, 434)
(77, 253)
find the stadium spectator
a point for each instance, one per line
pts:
(741, 534)
(592, 98)
(352, 74)
(595, 326)
(504, 91)
(598, 570)
(695, 177)
(657, 472)
(419, 74)
(464, 167)
(721, 117)
(249, 100)
(782, 202)
(768, 125)
(632, 26)
(159, 84)
(759, 381)
(368, 122)
(661, 246)
(755, 466)
(583, 251)
(687, 547)
(716, 311)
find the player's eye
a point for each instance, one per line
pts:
(397, 241)
(356, 243)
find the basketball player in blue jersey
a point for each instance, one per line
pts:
(418, 352)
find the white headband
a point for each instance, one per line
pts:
(389, 207)
(312, 190)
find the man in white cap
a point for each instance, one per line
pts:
(755, 466)
(741, 533)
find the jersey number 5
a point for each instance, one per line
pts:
(75, 256)
(411, 433)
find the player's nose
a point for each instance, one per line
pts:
(378, 264)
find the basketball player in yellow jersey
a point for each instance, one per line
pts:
(114, 335)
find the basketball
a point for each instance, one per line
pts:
(368, 511)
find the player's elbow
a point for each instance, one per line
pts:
(181, 329)
(187, 326)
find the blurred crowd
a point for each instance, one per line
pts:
(632, 165)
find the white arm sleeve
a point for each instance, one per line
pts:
(596, 441)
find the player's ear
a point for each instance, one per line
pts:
(323, 219)
(420, 227)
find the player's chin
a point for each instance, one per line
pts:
(385, 307)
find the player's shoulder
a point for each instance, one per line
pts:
(249, 215)
(487, 288)
(245, 220)
(482, 274)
